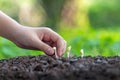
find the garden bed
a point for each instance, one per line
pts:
(49, 68)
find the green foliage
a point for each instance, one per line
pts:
(94, 42)
(8, 50)
(105, 13)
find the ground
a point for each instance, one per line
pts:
(49, 68)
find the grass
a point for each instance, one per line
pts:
(8, 50)
(104, 42)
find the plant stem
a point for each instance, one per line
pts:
(82, 53)
(68, 51)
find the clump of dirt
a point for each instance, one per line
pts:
(49, 68)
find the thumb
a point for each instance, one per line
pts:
(46, 48)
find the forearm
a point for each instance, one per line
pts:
(8, 27)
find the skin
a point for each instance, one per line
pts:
(42, 38)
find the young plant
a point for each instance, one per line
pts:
(68, 51)
(82, 53)
(55, 51)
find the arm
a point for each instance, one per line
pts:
(7, 26)
(31, 38)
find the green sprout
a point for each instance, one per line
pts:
(82, 53)
(68, 51)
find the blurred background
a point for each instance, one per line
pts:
(92, 25)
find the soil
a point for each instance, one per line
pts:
(49, 68)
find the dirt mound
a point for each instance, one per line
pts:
(49, 68)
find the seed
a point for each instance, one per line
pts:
(54, 48)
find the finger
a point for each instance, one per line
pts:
(60, 46)
(59, 43)
(64, 48)
(57, 40)
(46, 48)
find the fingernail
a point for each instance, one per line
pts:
(50, 51)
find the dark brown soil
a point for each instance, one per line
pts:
(49, 68)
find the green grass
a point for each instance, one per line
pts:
(94, 42)
(9, 50)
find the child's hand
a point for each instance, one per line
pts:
(40, 39)
(31, 38)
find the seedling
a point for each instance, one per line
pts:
(82, 53)
(68, 51)
(55, 51)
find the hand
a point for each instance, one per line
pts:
(31, 38)
(39, 39)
